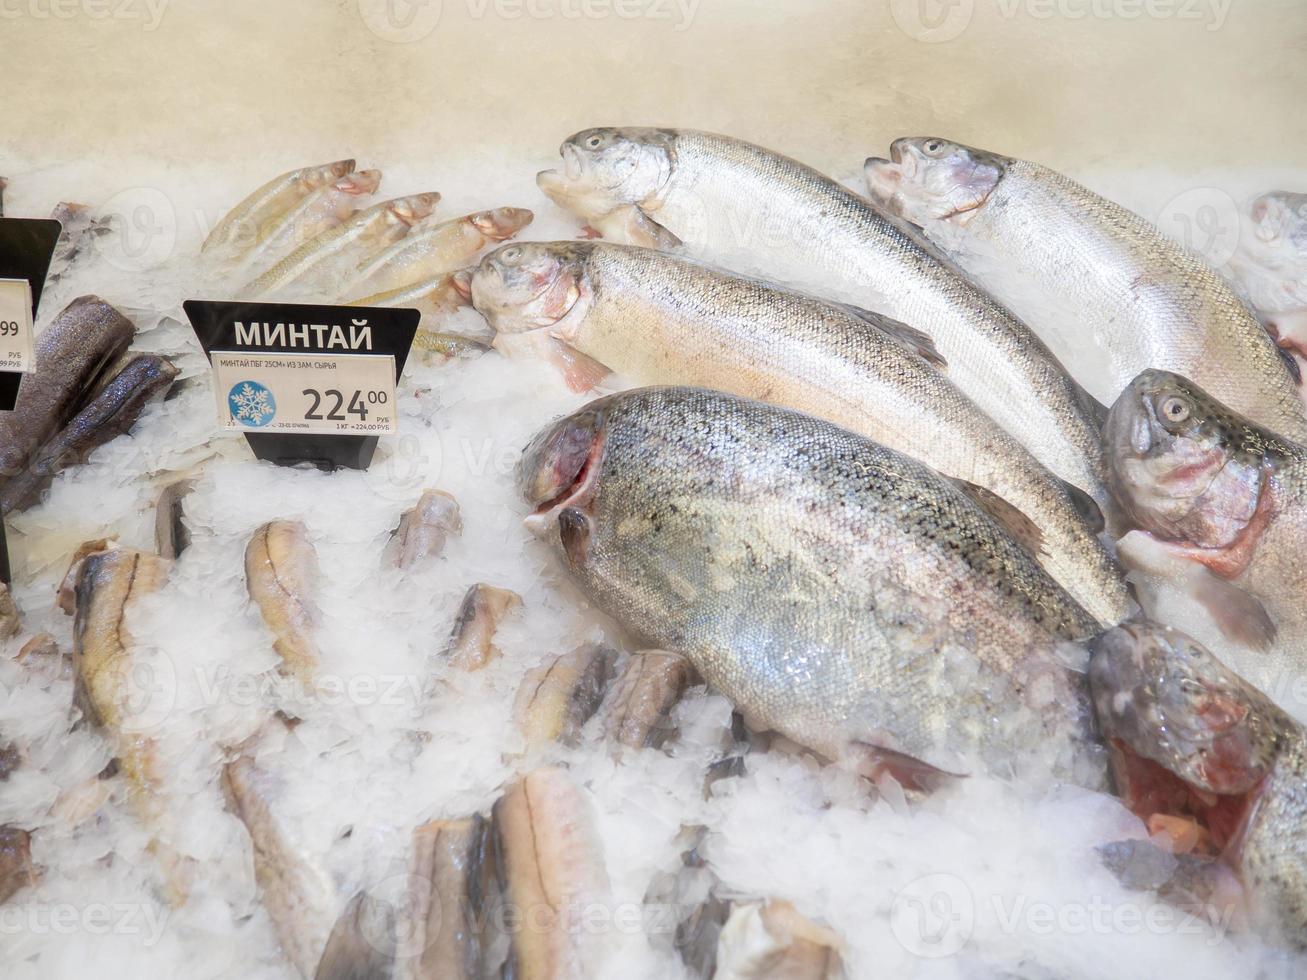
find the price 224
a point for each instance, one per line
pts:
(338, 408)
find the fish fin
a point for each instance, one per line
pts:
(1086, 506)
(1091, 406)
(1012, 520)
(1240, 616)
(1291, 362)
(1289, 331)
(633, 226)
(875, 761)
(360, 946)
(912, 338)
(582, 373)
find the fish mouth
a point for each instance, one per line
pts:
(573, 164)
(571, 466)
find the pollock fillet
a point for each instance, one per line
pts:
(656, 318)
(423, 530)
(559, 696)
(747, 207)
(1147, 301)
(281, 574)
(772, 941)
(472, 640)
(637, 711)
(836, 591)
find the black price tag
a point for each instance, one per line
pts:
(26, 249)
(306, 383)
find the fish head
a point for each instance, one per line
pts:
(412, 209)
(928, 179)
(1183, 466)
(359, 183)
(500, 224)
(528, 286)
(558, 475)
(609, 168)
(321, 176)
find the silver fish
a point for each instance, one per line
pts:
(744, 206)
(241, 225)
(1146, 301)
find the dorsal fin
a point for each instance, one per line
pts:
(1086, 506)
(1012, 520)
(910, 337)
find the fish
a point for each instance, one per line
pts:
(362, 943)
(438, 249)
(551, 869)
(557, 698)
(472, 640)
(440, 347)
(281, 575)
(338, 249)
(16, 868)
(241, 225)
(11, 623)
(773, 941)
(1216, 490)
(1146, 300)
(319, 212)
(171, 535)
(107, 684)
(78, 225)
(744, 206)
(637, 710)
(837, 592)
(423, 530)
(1270, 266)
(1192, 743)
(72, 354)
(434, 297)
(111, 412)
(453, 870)
(655, 318)
(293, 885)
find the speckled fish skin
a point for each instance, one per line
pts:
(71, 354)
(1220, 490)
(272, 199)
(727, 198)
(838, 592)
(1147, 300)
(656, 318)
(1169, 700)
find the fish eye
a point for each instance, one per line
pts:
(511, 254)
(933, 146)
(1174, 409)
(594, 141)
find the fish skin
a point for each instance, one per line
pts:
(433, 297)
(340, 248)
(1164, 697)
(274, 198)
(16, 869)
(472, 640)
(837, 592)
(1150, 302)
(110, 413)
(1218, 490)
(733, 201)
(361, 944)
(551, 866)
(71, 354)
(424, 528)
(323, 209)
(437, 250)
(108, 584)
(637, 710)
(656, 318)
(453, 871)
(171, 535)
(557, 697)
(281, 574)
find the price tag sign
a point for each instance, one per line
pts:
(311, 393)
(16, 348)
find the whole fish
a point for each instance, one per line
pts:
(657, 318)
(744, 206)
(242, 223)
(110, 413)
(317, 213)
(836, 591)
(1192, 742)
(1270, 264)
(441, 248)
(1144, 299)
(72, 354)
(434, 297)
(1219, 491)
(281, 573)
(339, 249)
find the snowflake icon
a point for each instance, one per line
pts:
(252, 404)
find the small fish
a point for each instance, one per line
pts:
(242, 223)
(434, 298)
(1147, 301)
(551, 868)
(281, 575)
(836, 591)
(423, 530)
(341, 248)
(472, 640)
(1207, 759)
(437, 250)
(637, 711)
(560, 695)
(324, 209)
(772, 941)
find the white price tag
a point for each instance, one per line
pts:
(339, 394)
(16, 348)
